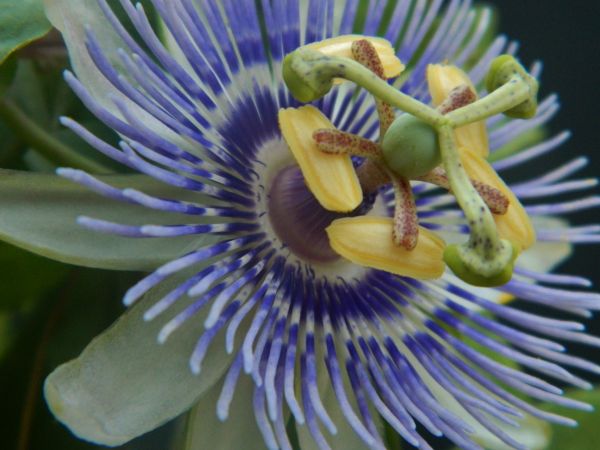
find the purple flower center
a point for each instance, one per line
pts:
(298, 218)
(300, 221)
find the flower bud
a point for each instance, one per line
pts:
(501, 71)
(410, 147)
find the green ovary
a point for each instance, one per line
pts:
(410, 147)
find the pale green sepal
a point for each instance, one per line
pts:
(345, 438)
(39, 213)
(125, 384)
(71, 18)
(205, 430)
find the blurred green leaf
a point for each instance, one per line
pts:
(21, 21)
(8, 69)
(26, 277)
(7, 337)
(43, 96)
(583, 437)
(70, 315)
(523, 141)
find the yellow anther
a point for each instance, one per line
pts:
(331, 178)
(515, 225)
(367, 241)
(341, 46)
(442, 79)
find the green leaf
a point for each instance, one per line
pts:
(21, 22)
(6, 334)
(583, 437)
(32, 90)
(39, 213)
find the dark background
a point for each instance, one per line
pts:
(565, 36)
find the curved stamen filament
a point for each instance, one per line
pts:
(406, 223)
(364, 52)
(495, 200)
(339, 142)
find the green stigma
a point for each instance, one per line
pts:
(506, 69)
(466, 264)
(308, 75)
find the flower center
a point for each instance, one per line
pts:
(297, 217)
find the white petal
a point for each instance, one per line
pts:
(125, 384)
(206, 431)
